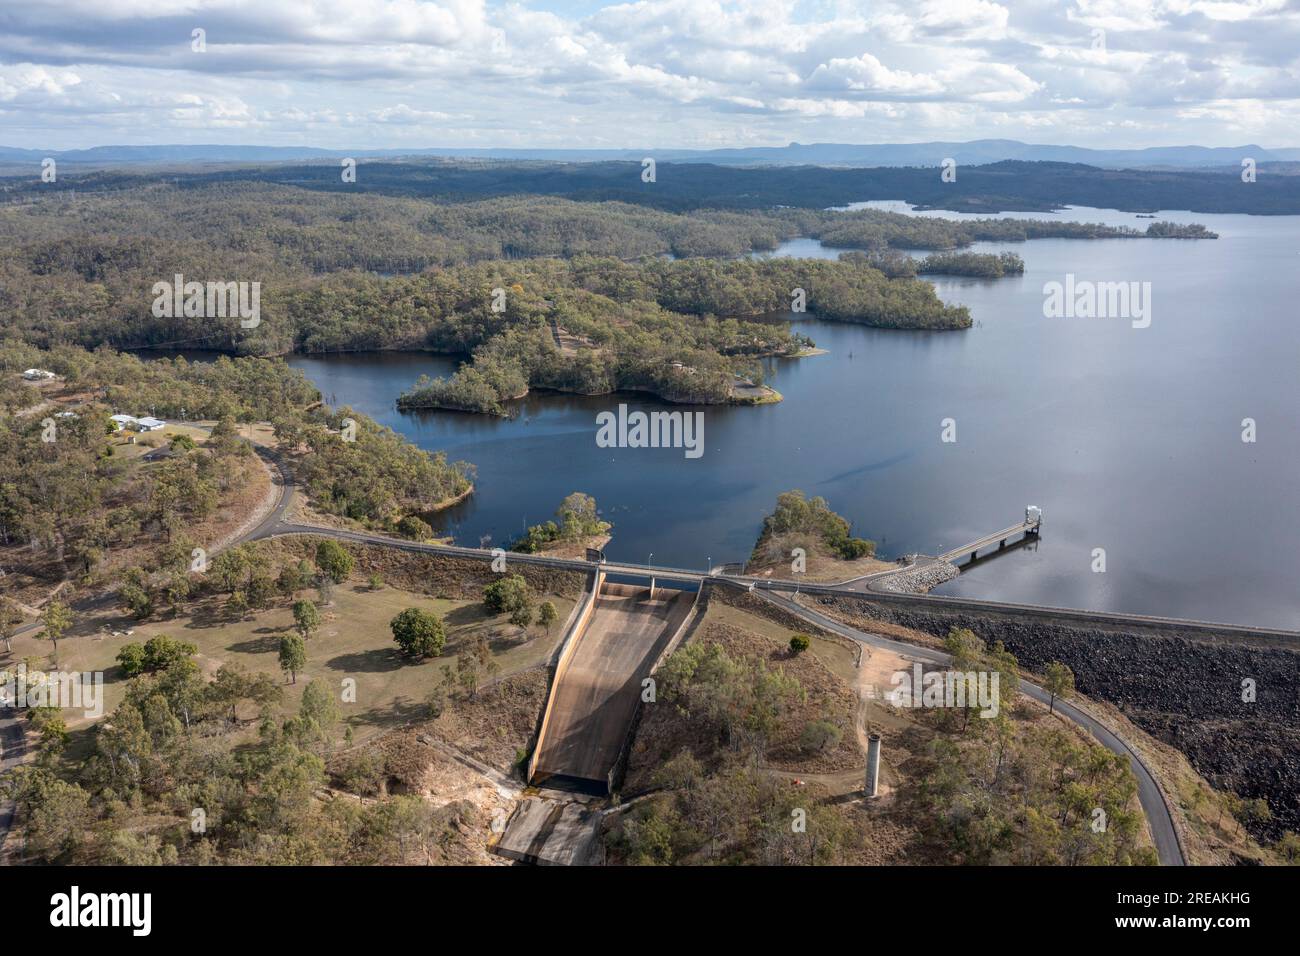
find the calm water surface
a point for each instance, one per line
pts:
(1129, 439)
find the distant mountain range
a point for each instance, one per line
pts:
(975, 152)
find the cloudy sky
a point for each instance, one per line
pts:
(655, 73)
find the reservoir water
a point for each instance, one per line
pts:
(1130, 439)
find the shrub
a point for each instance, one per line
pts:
(820, 736)
(414, 528)
(158, 653)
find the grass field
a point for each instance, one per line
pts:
(354, 641)
(839, 658)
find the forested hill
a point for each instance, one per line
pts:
(541, 290)
(1009, 185)
(334, 267)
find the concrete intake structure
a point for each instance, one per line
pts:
(873, 765)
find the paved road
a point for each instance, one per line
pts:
(1152, 798)
(866, 588)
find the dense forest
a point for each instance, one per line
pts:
(994, 187)
(978, 265)
(539, 291)
(627, 325)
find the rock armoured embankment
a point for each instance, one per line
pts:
(1183, 690)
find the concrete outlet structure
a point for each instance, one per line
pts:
(873, 765)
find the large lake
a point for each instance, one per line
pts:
(1129, 439)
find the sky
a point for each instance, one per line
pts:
(655, 73)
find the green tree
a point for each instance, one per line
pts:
(1288, 847)
(418, 633)
(176, 589)
(10, 618)
(135, 599)
(318, 713)
(261, 591)
(306, 619)
(57, 814)
(683, 772)
(237, 604)
(334, 560)
(506, 595)
(57, 618)
(820, 736)
(1058, 681)
(546, 615)
(228, 568)
(233, 685)
(522, 616)
(131, 659)
(1257, 811)
(293, 655)
(966, 648)
(800, 643)
(578, 517)
(471, 666)
(293, 578)
(52, 728)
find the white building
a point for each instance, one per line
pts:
(37, 375)
(147, 424)
(121, 421)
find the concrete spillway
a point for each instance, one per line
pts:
(598, 683)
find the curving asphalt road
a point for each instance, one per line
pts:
(1163, 832)
(1152, 798)
(13, 737)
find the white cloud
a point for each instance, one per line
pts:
(867, 74)
(671, 72)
